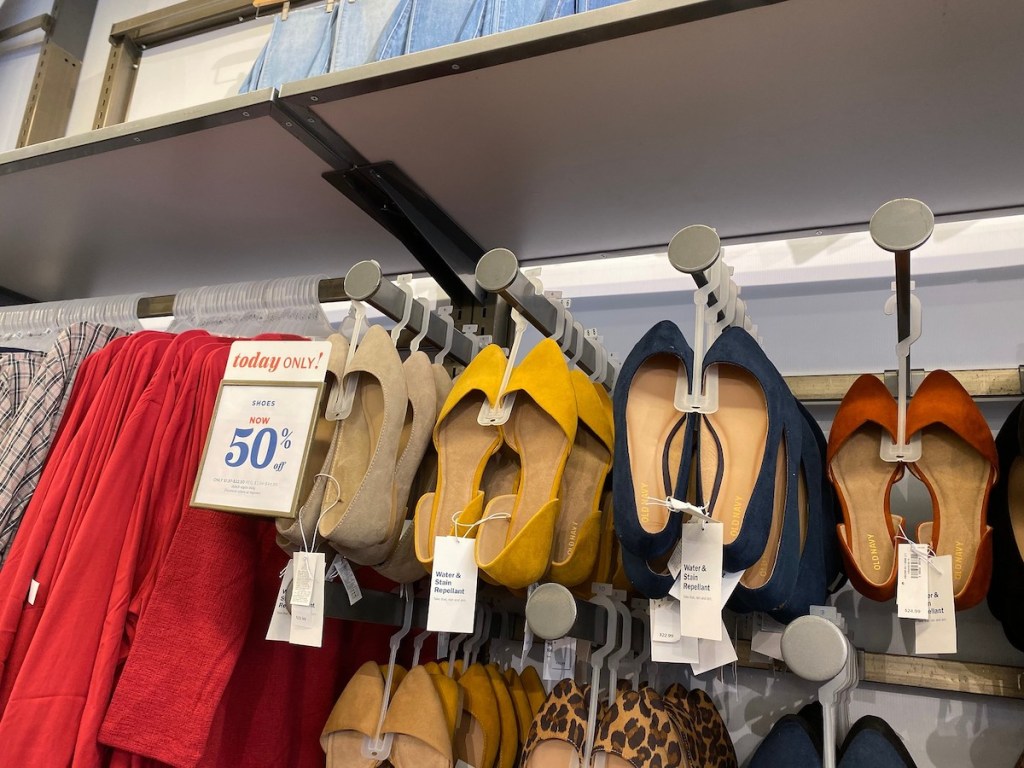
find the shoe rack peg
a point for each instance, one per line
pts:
(900, 226)
(365, 282)
(498, 272)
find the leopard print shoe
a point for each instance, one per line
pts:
(714, 743)
(638, 731)
(559, 730)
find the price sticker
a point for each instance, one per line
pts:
(265, 423)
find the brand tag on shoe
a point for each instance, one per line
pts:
(341, 568)
(682, 651)
(452, 606)
(700, 587)
(665, 622)
(559, 659)
(912, 587)
(938, 634)
(307, 626)
(281, 621)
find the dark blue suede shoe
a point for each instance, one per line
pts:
(738, 446)
(791, 743)
(771, 581)
(872, 743)
(645, 579)
(812, 585)
(653, 449)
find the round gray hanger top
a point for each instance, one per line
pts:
(551, 611)
(814, 648)
(694, 248)
(497, 269)
(363, 280)
(902, 225)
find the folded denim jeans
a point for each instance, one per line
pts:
(298, 47)
(503, 15)
(359, 28)
(417, 25)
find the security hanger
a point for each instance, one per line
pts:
(597, 658)
(625, 646)
(901, 226)
(379, 747)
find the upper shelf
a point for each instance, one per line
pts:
(800, 115)
(214, 194)
(603, 131)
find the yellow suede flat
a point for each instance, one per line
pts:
(478, 736)
(513, 545)
(508, 747)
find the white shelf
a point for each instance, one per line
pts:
(800, 115)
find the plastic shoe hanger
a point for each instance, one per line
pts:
(414, 345)
(379, 748)
(417, 647)
(597, 659)
(642, 613)
(405, 285)
(625, 646)
(453, 652)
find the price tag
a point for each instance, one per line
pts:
(307, 625)
(304, 565)
(912, 587)
(262, 429)
(342, 568)
(938, 634)
(281, 622)
(559, 659)
(452, 606)
(33, 590)
(700, 580)
(665, 622)
(683, 651)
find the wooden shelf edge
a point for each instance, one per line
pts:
(980, 383)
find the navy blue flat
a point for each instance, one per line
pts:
(738, 445)
(791, 743)
(653, 446)
(770, 582)
(872, 743)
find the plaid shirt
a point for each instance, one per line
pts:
(24, 445)
(16, 372)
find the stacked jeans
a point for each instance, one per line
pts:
(313, 42)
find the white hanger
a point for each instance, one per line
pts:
(405, 285)
(625, 646)
(357, 310)
(445, 313)
(379, 747)
(597, 658)
(414, 345)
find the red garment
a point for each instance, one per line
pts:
(220, 694)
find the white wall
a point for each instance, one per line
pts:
(17, 68)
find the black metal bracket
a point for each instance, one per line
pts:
(395, 202)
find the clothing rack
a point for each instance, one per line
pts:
(366, 282)
(498, 272)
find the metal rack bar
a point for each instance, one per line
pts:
(498, 272)
(366, 282)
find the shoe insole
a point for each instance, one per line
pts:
(608, 760)
(732, 446)
(958, 476)
(655, 435)
(554, 754)
(462, 444)
(1015, 499)
(862, 479)
(757, 575)
(356, 445)
(501, 475)
(541, 445)
(582, 484)
(469, 741)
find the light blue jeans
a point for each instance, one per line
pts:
(298, 47)
(417, 25)
(359, 28)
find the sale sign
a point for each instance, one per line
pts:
(264, 423)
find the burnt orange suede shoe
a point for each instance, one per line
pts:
(958, 464)
(863, 482)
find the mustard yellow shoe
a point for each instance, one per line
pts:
(417, 722)
(534, 688)
(450, 693)
(513, 546)
(508, 746)
(479, 735)
(463, 447)
(578, 530)
(521, 703)
(353, 719)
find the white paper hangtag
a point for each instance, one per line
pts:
(912, 586)
(665, 622)
(700, 588)
(304, 565)
(767, 636)
(33, 590)
(685, 650)
(281, 620)
(344, 570)
(715, 653)
(307, 625)
(938, 634)
(452, 606)
(559, 659)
